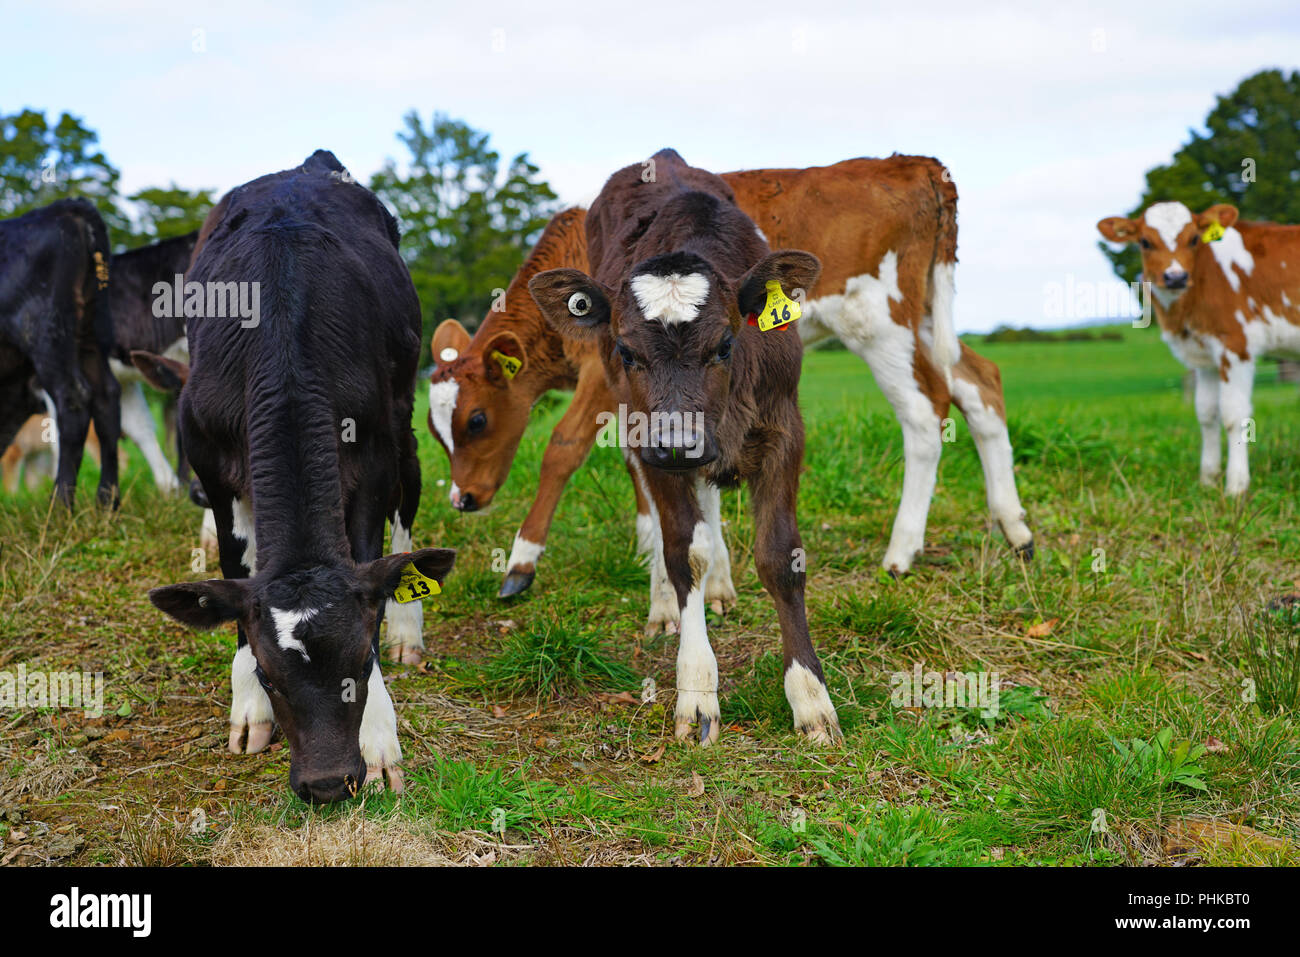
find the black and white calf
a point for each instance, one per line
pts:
(138, 325)
(679, 270)
(298, 425)
(56, 333)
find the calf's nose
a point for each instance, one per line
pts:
(1175, 279)
(330, 786)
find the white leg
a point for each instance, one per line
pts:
(1235, 408)
(719, 592)
(250, 708)
(208, 533)
(697, 668)
(814, 715)
(993, 443)
(138, 426)
(405, 621)
(1207, 413)
(664, 614)
(379, 744)
(922, 443)
(242, 528)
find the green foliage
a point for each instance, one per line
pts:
(466, 223)
(1249, 155)
(40, 163)
(1270, 646)
(552, 658)
(170, 212)
(1163, 760)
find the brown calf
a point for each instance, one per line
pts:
(1226, 294)
(677, 268)
(885, 231)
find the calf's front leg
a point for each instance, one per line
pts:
(1207, 413)
(1235, 408)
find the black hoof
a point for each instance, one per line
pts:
(1026, 551)
(515, 583)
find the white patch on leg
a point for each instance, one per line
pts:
(994, 447)
(242, 528)
(1207, 414)
(719, 591)
(405, 621)
(1235, 409)
(523, 552)
(138, 426)
(945, 349)
(665, 614)
(697, 667)
(379, 744)
(208, 531)
(250, 708)
(814, 715)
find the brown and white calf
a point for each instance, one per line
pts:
(885, 230)
(1226, 294)
(677, 269)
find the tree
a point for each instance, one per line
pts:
(170, 212)
(40, 163)
(465, 228)
(1249, 156)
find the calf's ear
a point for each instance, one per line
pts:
(794, 269)
(1221, 213)
(576, 306)
(1117, 229)
(381, 577)
(159, 371)
(449, 340)
(203, 604)
(504, 357)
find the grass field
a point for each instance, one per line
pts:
(1139, 722)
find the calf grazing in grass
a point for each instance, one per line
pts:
(885, 231)
(144, 322)
(678, 268)
(298, 425)
(1226, 294)
(56, 333)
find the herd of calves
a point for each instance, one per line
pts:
(676, 308)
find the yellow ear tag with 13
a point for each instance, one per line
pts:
(510, 366)
(779, 310)
(1213, 233)
(414, 586)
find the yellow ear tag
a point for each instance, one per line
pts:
(414, 586)
(510, 366)
(779, 310)
(1213, 233)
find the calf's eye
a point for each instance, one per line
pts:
(723, 352)
(1144, 243)
(626, 354)
(477, 422)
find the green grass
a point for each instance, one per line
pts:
(1145, 679)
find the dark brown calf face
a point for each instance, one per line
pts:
(671, 328)
(314, 634)
(476, 411)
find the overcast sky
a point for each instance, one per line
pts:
(1046, 117)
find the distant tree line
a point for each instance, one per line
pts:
(467, 219)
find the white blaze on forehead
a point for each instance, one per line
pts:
(442, 403)
(286, 622)
(1168, 219)
(670, 299)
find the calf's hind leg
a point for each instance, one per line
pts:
(977, 391)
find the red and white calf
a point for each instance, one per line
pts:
(1226, 294)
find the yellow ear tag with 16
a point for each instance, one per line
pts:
(779, 310)
(415, 586)
(1213, 233)
(510, 366)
